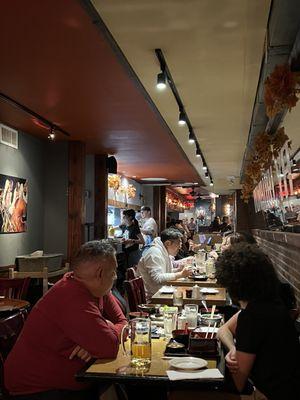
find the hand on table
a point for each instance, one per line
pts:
(80, 353)
(231, 361)
(186, 271)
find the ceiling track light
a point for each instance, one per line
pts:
(161, 81)
(51, 135)
(191, 138)
(182, 118)
(206, 175)
(294, 162)
(165, 78)
(211, 183)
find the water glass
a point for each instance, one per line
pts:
(170, 322)
(191, 313)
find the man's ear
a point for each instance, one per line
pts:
(167, 243)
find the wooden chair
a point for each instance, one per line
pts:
(32, 274)
(135, 293)
(130, 274)
(14, 288)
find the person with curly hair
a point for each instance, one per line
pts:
(261, 338)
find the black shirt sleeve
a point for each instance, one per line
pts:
(249, 333)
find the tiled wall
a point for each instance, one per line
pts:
(284, 251)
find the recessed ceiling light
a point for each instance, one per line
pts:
(134, 176)
(154, 179)
(195, 183)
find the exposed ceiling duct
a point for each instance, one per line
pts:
(282, 45)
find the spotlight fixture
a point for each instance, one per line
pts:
(51, 135)
(164, 78)
(211, 183)
(182, 118)
(191, 138)
(294, 162)
(161, 81)
(206, 175)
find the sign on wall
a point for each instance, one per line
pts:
(13, 204)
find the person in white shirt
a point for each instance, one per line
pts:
(155, 267)
(149, 226)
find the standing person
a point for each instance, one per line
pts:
(266, 347)
(149, 226)
(192, 227)
(155, 267)
(215, 225)
(78, 318)
(225, 226)
(132, 238)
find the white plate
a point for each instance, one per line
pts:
(209, 290)
(188, 363)
(167, 290)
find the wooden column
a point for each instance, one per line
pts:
(76, 186)
(101, 196)
(160, 207)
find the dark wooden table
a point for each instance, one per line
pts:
(10, 306)
(218, 299)
(120, 371)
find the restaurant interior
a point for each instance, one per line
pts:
(128, 128)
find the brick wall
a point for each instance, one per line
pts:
(284, 251)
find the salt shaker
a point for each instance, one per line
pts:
(181, 321)
(196, 292)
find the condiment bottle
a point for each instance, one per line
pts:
(196, 292)
(181, 321)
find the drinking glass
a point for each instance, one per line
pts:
(140, 345)
(170, 320)
(191, 313)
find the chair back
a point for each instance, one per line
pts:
(14, 288)
(31, 274)
(135, 293)
(130, 274)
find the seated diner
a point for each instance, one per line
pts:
(77, 318)
(155, 267)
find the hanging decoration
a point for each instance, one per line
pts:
(175, 203)
(266, 149)
(114, 182)
(281, 90)
(131, 191)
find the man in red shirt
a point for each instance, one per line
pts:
(77, 318)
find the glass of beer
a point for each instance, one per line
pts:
(140, 345)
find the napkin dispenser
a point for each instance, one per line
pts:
(203, 343)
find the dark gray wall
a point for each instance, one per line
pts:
(56, 197)
(26, 162)
(45, 165)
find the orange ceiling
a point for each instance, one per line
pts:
(56, 62)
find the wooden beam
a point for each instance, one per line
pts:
(101, 196)
(76, 186)
(160, 207)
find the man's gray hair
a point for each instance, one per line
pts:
(89, 251)
(170, 234)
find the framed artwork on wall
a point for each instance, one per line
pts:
(13, 204)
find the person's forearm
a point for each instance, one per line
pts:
(226, 337)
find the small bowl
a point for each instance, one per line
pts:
(206, 320)
(200, 278)
(181, 336)
(149, 308)
(175, 347)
